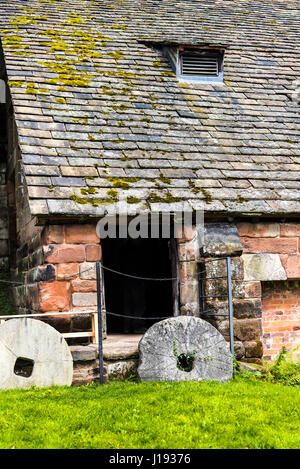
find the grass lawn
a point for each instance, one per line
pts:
(242, 413)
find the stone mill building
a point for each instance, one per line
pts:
(163, 103)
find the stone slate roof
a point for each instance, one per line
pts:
(99, 111)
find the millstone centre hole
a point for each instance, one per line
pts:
(185, 362)
(23, 367)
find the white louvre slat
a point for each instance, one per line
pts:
(197, 65)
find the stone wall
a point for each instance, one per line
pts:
(260, 253)
(221, 240)
(271, 256)
(3, 184)
(60, 275)
(58, 265)
(120, 359)
(271, 251)
(3, 220)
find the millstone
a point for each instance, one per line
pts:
(33, 353)
(184, 348)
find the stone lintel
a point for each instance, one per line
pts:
(263, 267)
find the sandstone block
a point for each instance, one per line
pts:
(79, 285)
(84, 299)
(64, 253)
(93, 252)
(122, 370)
(291, 230)
(258, 230)
(291, 264)
(54, 234)
(84, 353)
(42, 273)
(247, 329)
(239, 350)
(81, 322)
(252, 289)
(221, 239)
(54, 296)
(253, 349)
(81, 234)
(189, 292)
(218, 268)
(88, 271)
(270, 245)
(249, 308)
(189, 251)
(67, 271)
(263, 267)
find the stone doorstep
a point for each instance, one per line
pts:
(115, 347)
(120, 359)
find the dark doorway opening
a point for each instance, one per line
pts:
(149, 258)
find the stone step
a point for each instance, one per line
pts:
(120, 359)
(115, 347)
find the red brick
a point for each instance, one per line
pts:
(290, 230)
(81, 234)
(67, 270)
(278, 324)
(291, 265)
(64, 253)
(258, 230)
(54, 234)
(269, 245)
(54, 296)
(93, 252)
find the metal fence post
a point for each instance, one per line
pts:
(230, 307)
(100, 338)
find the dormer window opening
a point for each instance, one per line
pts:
(193, 64)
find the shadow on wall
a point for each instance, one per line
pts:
(6, 305)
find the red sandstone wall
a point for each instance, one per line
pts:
(70, 252)
(274, 238)
(281, 317)
(58, 279)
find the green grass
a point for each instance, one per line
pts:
(243, 413)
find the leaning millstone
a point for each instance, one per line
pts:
(184, 348)
(33, 353)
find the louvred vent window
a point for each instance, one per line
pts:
(202, 64)
(195, 64)
(199, 65)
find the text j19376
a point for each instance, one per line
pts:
(164, 458)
